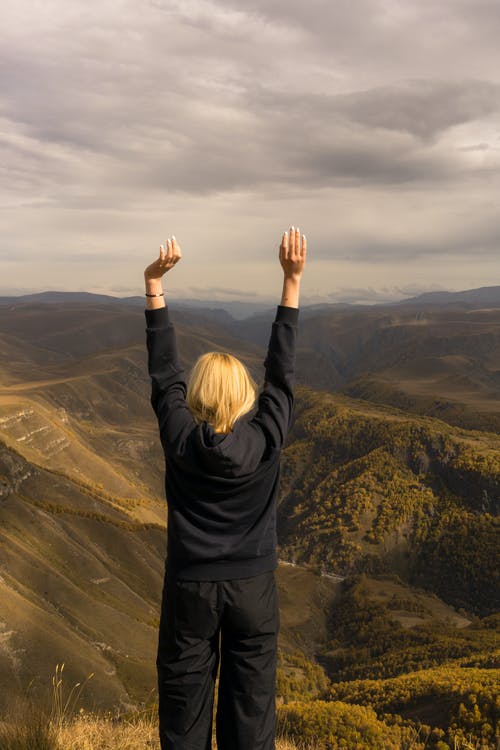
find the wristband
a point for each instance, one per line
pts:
(154, 295)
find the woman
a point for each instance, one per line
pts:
(219, 599)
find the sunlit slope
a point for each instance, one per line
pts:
(88, 413)
(80, 582)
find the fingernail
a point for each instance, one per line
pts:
(173, 236)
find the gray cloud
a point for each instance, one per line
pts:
(421, 107)
(121, 116)
(110, 112)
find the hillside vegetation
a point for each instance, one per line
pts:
(372, 489)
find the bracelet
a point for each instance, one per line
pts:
(154, 295)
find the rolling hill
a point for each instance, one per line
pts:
(436, 354)
(388, 515)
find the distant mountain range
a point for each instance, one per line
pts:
(483, 296)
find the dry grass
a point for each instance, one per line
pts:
(61, 725)
(87, 731)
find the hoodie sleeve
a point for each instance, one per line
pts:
(275, 403)
(168, 385)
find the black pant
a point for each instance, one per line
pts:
(244, 613)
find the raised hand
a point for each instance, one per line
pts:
(292, 254)
(166, 260)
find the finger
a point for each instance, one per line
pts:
(304, 246)
(169, 249)
(173, 257)
(284, 246)
(291, 243)
(284, 242)
(297, 241)
(162, 252)
(176, 247)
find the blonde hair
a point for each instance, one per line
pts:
(220, 389)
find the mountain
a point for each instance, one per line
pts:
(441, 361)
(486, 296)
(371, 489)
(387, 521)
(216, 309)
(474, 298)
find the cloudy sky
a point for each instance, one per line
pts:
(373, 125)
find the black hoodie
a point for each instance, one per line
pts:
(222, 489)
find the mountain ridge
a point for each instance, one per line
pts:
(487, 295)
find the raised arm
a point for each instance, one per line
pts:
(292, 258)
(168, 385)
(275, 403)
(158, 268)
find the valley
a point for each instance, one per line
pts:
(388, 573)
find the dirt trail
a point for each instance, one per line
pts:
(30, 385)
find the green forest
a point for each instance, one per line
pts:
(433, 687)
(406, 505)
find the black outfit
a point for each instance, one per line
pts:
(222, 492)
